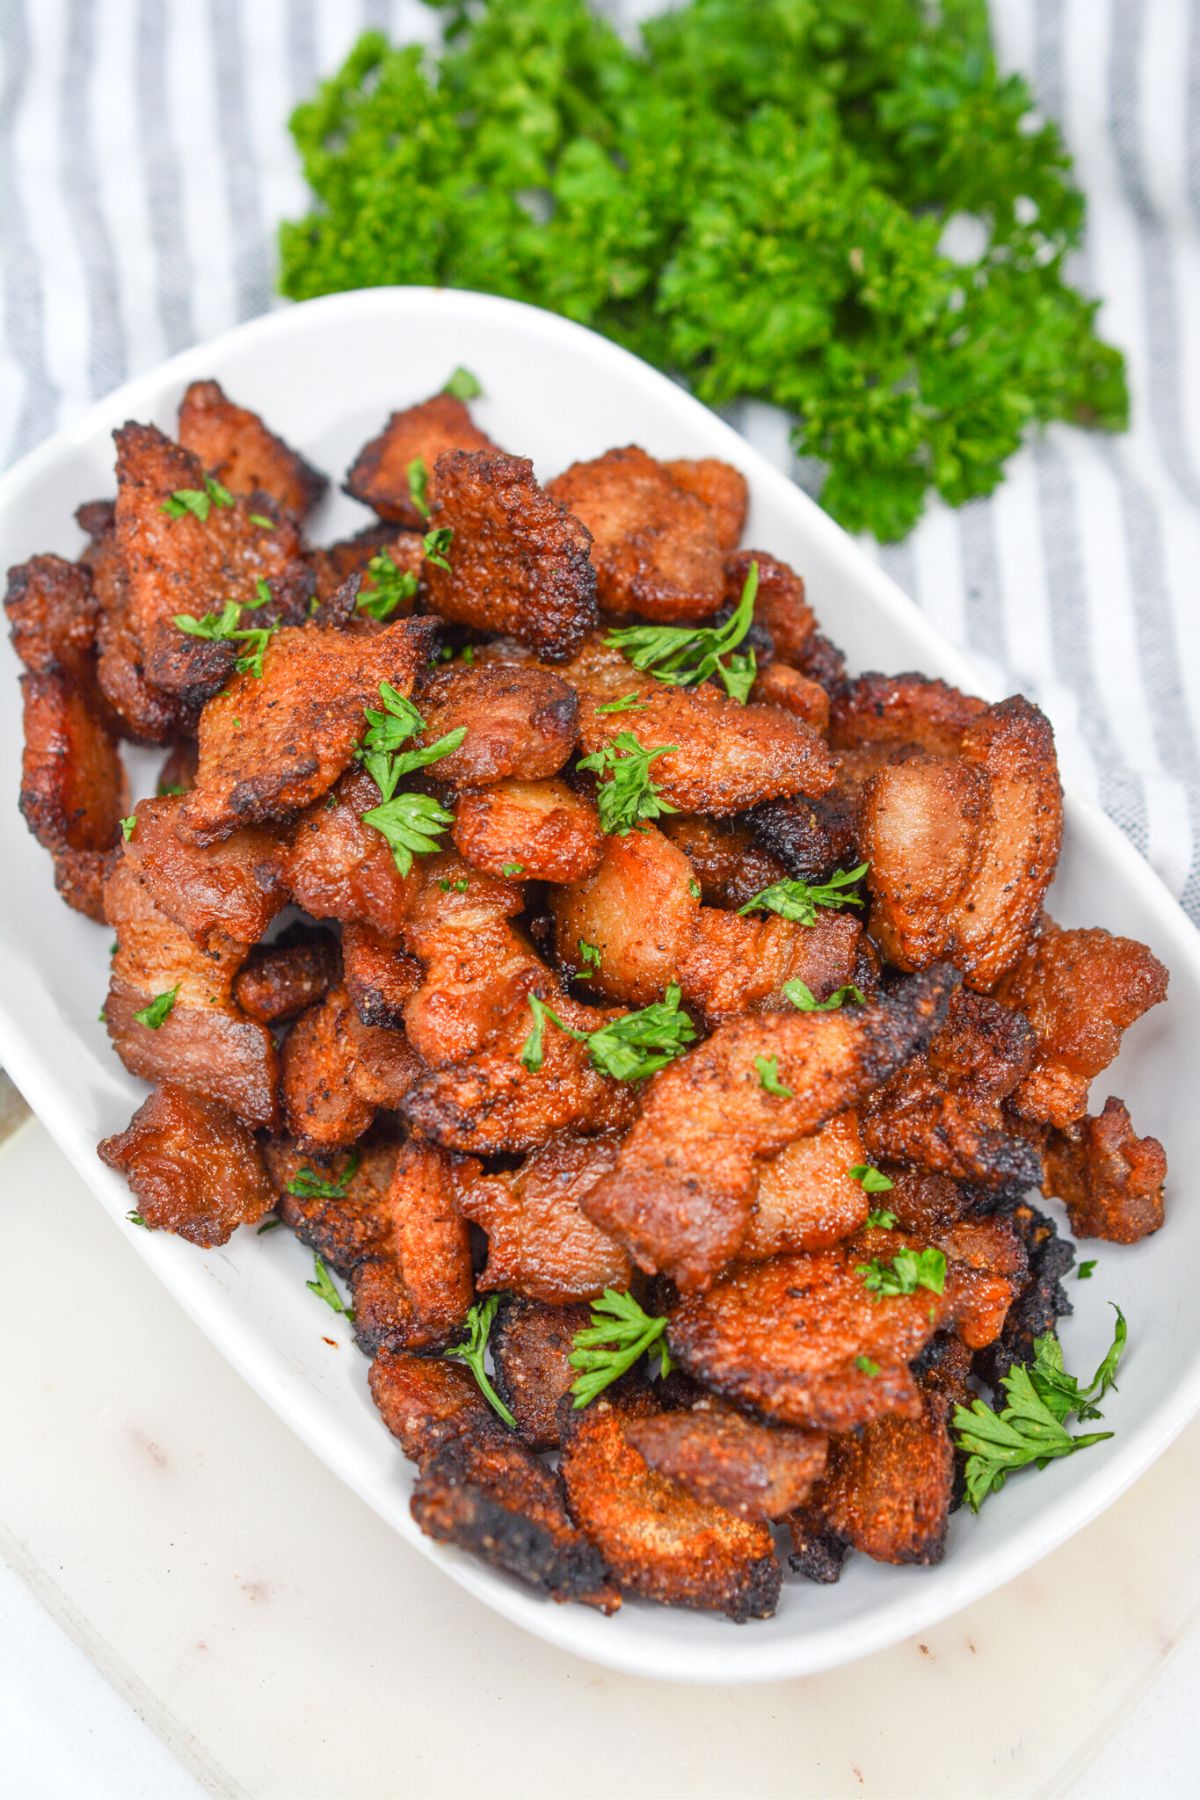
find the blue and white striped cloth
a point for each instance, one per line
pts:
(144, 163)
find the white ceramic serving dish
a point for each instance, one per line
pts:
(325, 374)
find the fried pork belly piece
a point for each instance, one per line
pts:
(1109, 1179)
(726, 859)
(380, 977)
(379, 475)
(810, 839)
(531, 1345)
(334, 564)
(53, 614)
(193, 1167)
(542, 830)
(343, 1226)
(146, 714)
(963, 848)
(338, 868)
(337, 1071)
(944, 1110)
(192, 565)
(876, 716)
(278, 981)
(735, 965)
(725, 1459)
(805, 1198)
(721, 488)
(781, 685)
(73, 787)
(659, 1541)
(1080, 990)
(1040, 1303)
(888, 1489)
(681, 1194)
(724, 757)
(925, 1202)
(540, 1244)
(636, 911)
(271, 745)
(426, 1400)
(657, 549)
(204, 1042)
(233, 887)
(986, 1268)
(520, 721)
(519, 560)
(234, 445)
(779, 604)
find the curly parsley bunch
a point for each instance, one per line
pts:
(755, 198)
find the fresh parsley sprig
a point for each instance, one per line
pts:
(909, 1270)
(306, 1184)
(226, 626)
(880, 1219)
(1031, 1428)
(629, 1048)
(436, 546)
(322, 1286)
(626, 795)
(197, 501)
(159, 1010)
(418, 485)
(627, 703)
(393, 587)
(472, 1352)
(799, 900)
(803, 999)
(412, 825)
(683, 655)
(871, 1180)
(620, 1332)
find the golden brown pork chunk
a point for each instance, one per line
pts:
(780, 685)
(656, 548)
(540, 1243)
(531, 1345)
(380, 977)
(520, 721)
(234, 445)
(659, 1541)
(779, 604)
(879, 718)
(52, 615)
(1080, 990)
(272, 744)
(725, 1459)
(233, 887)
(518, 562)
(721, 488)
(420, 434)
(193, 1167)
(735, 965)
(531, 830)
(425, 1400)
(680, 1196)
(805, 1198)
(73, 787)
(338, 868)
(146, 713)
(637, 913)
(280, 980)
(337, 1071)
(1110, 1180)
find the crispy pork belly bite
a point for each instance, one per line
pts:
(52, 616)
(876, 716)
(781, 685)
(531, 1345)
(805, 1198)
(519, 721)
(726, 859)
(725, 1459)
(986, 1268)
(660, 1542)
(380, 977)
(721, 488)
(779, 604)
(201, 1039)
(540, 1244)
(193, 1167)
(338, 868)
(1080, 991)
(963, 848)
(234, 445)
(1040, 1302)
(379, 475)
(735, 965)
(272, 744)
(637, 913)
(233, 887)
(1109, 1179)
(146, 713)
(73, 787)
(888, 1489)
(280, 980)
(541, 830)
(334, 1200)
(944, 1110)
(810, 839)
(657, 549)
(337, 1071)
(518, 562)
(333, 564)
(680, 1196)
(425, 1400)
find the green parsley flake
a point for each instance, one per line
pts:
(392, 587)
(305, 1184)
(512, 870)
(683, 655)
(627, 1049)
(197, 501)
(159, 1009)
(768, 1076)
(866, 1365)
(1085, 1271)
(589, 956)
(909, 1270)
(881, 1220)
(262, 520)
(463, 385)
(803, 999)
(436, 546)
(127, 826)
(627, 703)
(626, 795)
(799, 900)
(322, 1286)
(479, 1326)
(418, 485)
(872, 1181)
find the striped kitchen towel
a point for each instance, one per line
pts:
(144, 163)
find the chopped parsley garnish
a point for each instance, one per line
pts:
(629, 1048)
(908, 1271)
(127, 826)
(768, 1076)
(262, 520)
(683, 655)
(511, 870)
(880, 1219)
(589, 956)
(1085, 1271)
(799, 900)
(866, 1365)
(270, 1224)
(628, 795)
(322, 1286)
(802, 998)
(620, 1333)
(168, 788)
(412, 825)
(305, 1184)
(418, 485)
(1031, 1428)
(197, 501)
(135, 1218)
(694, 888)
(627, 703)
(872, 1181)
(159, 1009)
(479, 1326)
(463, 385)
(393, 586)
(436, 545)
(225, 626)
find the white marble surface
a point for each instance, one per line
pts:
(268, 1636)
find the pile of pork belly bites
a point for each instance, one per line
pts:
(645, 979)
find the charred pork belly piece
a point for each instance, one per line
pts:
(73, 787)
(520, 722)
(539, 830)
(1109, 1179)
(338, 868)
(380, 475)
(53, 614)
(726, 859)
(193, 1167)
(381, 978)
(531, 1344)
(1040, 1302)
(811, 839)
(725, 1459)
(234, 887)
(234, 445)
(280, 980)
(338, 1071)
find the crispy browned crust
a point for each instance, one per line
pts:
(780, 685)
(944, 1110)
(809, 838)
(721, 488)
(805, 1199)
(146, 714)
(519, 560)
(543, 828)
(735, 965)
(271, 745)
(337, 1071)
(637, 910)
(987, 1266)
(379, 473)
(725, 1459)
(52, 616)
(726, 859)
(341, 1228)
(660, 1542)
(233, 887)
(1080, 990)
(206, 1043)
(335, 563)
(1040, 1302)
(540, 1243)
(193, 1167)
(519, 721)
(280, 980)
(338, 868)
(380, 977)
(656, 549)
(681, 1194)
(425, 1400)
(234, 445)
(531, 1344)
(1109, 1179)
(779, 604)
(889, 713)
(73, 787)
